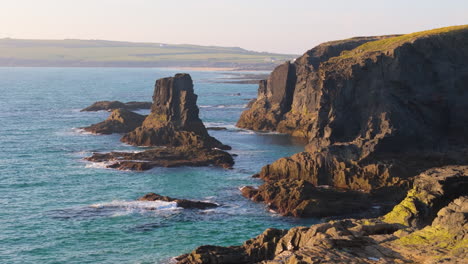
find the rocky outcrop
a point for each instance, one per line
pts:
(431, 191)
(164, 157)
(300, 198)
(173, 128)
(443, 239)
(186, 204)
(376, 111)
(173, 120)
(120, 121)
(112, 105)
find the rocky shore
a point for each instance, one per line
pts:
(386, 124)
(173, 128)
(429, 226)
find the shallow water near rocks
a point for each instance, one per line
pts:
(57, 208)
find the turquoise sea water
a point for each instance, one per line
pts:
(57, 208)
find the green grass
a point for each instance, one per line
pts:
(98, 51)
(391, 43)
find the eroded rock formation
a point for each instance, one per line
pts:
(173, 120)
(440, 237)
(112, 105)
(173, 128)
(376, 111)
(119, 121)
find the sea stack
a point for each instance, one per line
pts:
(175, 131)
(173, 120)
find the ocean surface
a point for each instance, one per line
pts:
(58, 208)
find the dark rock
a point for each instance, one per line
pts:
(216, 128)
(112, 105)
(302, 199)
(187, 204)
(173, 120)
(165, 157)
(375, 114)
(120, 121)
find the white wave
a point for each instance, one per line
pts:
(97, 165)
(224, 106)
(137, 205)
(81, 131)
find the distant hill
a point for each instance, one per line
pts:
(102, 53)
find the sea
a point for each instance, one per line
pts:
(57, 208)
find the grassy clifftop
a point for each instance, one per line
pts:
(391, 43)
(16, 52)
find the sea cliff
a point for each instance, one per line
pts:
(384, 117)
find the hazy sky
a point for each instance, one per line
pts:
(288, 26)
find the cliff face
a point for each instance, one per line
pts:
(375, 114)
(173, 120)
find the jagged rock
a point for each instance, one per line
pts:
(445, 241)
(112, 105)
(375, 114)
(187, 204)
(365, 240)
(432, 190)
(164, 157)
(302, 199)
(173, 120)
(120, 121)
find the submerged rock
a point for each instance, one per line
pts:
(376, 110)
(164, 157)
(120, 121)
(442, 239)
(112, 105)
(216, 128)
(173, 120)
(187, 204)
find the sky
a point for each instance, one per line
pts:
(282, 26)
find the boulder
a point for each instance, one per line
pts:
(119, 121)
(112, 105)
(186, 204)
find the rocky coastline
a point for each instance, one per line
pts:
(386, 124)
